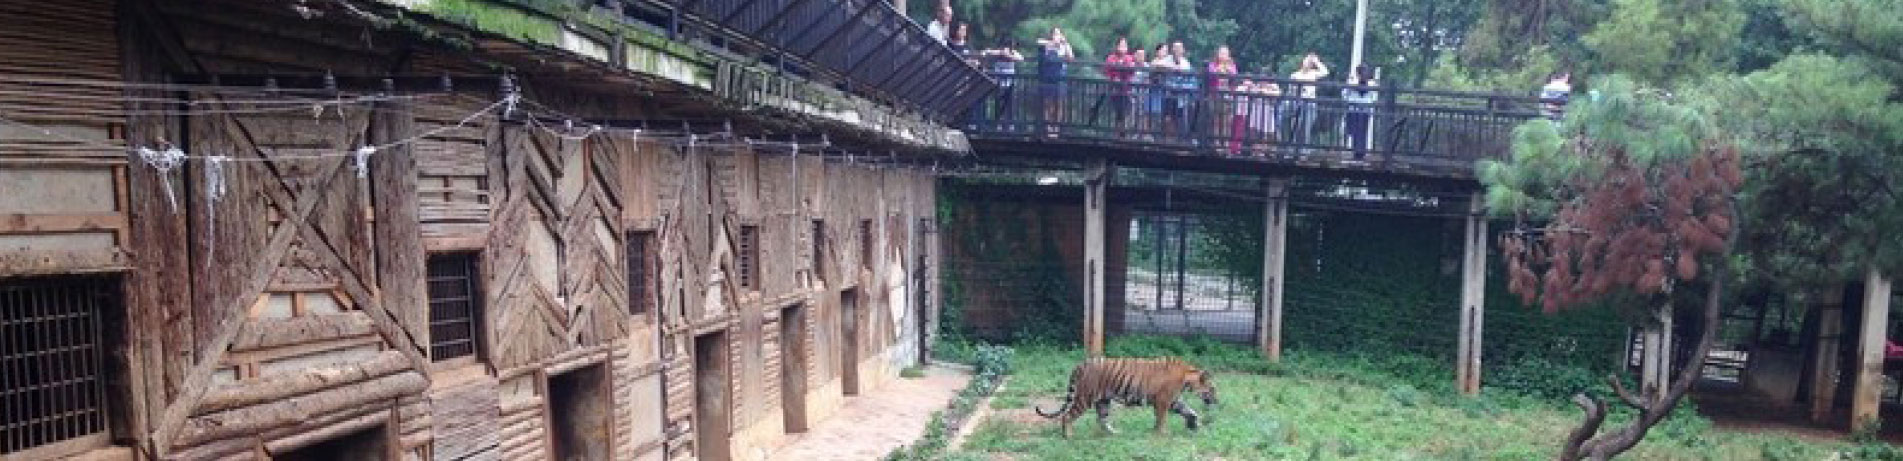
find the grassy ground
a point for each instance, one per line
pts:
(1320, 407)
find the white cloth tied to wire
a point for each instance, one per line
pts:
(164, 161)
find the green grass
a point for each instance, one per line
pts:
(1330, 407)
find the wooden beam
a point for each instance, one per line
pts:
(197, 380)
(1274, 262)
(21, 223)
(283, 386)
(258, 418)
(1873, 335)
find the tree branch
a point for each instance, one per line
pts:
(1625, 395)
(1595, 416)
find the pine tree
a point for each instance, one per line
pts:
(1629, 199)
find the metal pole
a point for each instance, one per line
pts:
(1361, 29)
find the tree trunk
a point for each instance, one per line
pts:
(1584, 444)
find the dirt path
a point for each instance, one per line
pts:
(870, 425)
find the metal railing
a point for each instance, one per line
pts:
(1251, 116)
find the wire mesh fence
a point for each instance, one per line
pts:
(1176, 283)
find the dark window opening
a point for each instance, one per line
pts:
(455, 306)
(819, 250)
(368, 444)
(59, 357)
(641, 270)
(865, 243)
(579, 413)
(747, 257)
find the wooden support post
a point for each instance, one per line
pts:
(1473, 280)
(1096, 186)
(1872, 335)
(1274, 258)
(1823, 378)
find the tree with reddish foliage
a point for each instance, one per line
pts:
(1626, 201)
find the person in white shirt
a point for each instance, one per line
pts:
(1554, 95)
(940, 26)
(1312, 70)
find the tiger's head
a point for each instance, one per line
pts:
(1200, 381)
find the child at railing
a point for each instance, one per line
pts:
(1162, 101)
(1220, 114)
(1183, 90)
(1360, 98)
(1004, 62)
(1262, 114)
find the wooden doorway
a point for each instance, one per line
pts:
(579, 413)
(712, 397)
(849, 341)
(793, 368)
(367, 444)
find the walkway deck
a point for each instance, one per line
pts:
(1237, 124)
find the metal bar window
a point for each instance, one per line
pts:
(640, 272)
(454, 306)
(747, 257)
(52, 363)
(865, 243)
(819, 250)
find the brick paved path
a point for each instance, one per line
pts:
(870, 425)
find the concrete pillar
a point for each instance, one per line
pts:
(1655, 362)
(1274, 259)
(1872, 335)
(1823, 378)
(1473, 285)
(1096, 188)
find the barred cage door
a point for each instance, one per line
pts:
(55, 342)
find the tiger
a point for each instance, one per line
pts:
(1099, 382)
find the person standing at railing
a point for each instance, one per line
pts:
(959, 43)
(1139, 93)
(1360, 96)
(1262, 111)
(1183, 85)
(1162, 100)
(1311, 70)
(1120, 68)
(1004, 68)
(1553, 96)
(1051, 67)
(1220, 114)
(941, 25)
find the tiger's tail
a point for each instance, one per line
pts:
(1070, 398)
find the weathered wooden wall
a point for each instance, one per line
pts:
(292, 309)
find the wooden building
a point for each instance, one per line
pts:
(335, 230)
